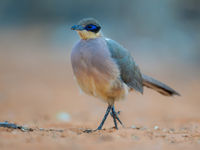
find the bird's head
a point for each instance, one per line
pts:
(88, 28)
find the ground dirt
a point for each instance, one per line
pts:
(36, 85)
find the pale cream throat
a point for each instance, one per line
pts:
(88, 35)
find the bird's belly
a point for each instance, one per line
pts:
(96, 72)
(101, 87)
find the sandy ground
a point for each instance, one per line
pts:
(36, 85)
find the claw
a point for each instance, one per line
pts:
(113, 113)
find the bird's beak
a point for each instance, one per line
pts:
(77, 27)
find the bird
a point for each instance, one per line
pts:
(106, 70)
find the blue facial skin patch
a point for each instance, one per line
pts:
(92, 28)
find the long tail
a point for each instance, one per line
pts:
(158, 86)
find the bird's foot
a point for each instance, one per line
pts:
(91, 130)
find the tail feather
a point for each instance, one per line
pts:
(158, 86)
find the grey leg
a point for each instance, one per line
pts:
(104, 118)
(102, 122)
(115, 116)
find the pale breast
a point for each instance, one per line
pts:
(95, 71)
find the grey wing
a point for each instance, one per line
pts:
(129, 71)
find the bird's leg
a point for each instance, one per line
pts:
(102, 122)
(118, 113)
(114, 114)
(104, 118)
(114, 117)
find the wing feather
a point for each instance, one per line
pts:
(129, 71)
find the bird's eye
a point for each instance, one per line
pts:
(91, 27)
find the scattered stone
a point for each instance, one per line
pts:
(143, 128)
(26, 129)
(63, 116)
(156, 127)
(133, 127)
(41, 129)
(6, 124)
(55, 130)
(172, 141)
(171, 130)
(184, 129)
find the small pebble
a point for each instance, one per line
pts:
(63, 116)
(171, 130)
(143, 128)
(183, 129)
(156, 128)
(133, 127)
(41, 129)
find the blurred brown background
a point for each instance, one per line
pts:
(36, 80)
